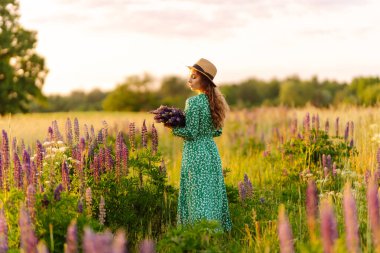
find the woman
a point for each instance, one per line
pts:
(202, 190)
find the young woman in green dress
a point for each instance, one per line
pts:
(202, 189)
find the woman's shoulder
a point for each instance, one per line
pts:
(199, 97)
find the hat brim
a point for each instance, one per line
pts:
(203, 73)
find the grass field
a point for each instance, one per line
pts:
(256, 143)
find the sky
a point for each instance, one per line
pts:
(91, 44)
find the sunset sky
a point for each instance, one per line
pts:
(97, 43)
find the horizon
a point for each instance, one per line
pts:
(97, 43)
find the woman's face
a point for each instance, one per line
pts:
(194, 80)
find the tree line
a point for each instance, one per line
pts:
(137, 93)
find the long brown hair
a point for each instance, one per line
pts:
(218, 104)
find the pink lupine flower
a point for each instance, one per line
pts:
(311, 205)
(373, 210)
(154, 140)
(3, 232)
(119, 243)
(28, 238)
(351, 221)
(285, 234)
(143, 135)
(147, 246)
(65, 176)
(31, 201)
(72, 238)
(132, 133)
(18, 175)
(328, 226)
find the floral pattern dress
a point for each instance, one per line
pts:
(202, 192)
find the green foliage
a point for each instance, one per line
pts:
(22, 70)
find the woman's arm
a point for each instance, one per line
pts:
(191, 130)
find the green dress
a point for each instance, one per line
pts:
(202, 192)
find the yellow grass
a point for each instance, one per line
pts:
(239, 125)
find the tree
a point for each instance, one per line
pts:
(173, 91)
(22, 70)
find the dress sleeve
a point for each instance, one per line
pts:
(191, 130)
(217, 133)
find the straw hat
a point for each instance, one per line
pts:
(206, 68)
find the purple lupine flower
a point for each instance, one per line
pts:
(94, 243)
(143, 135)
(5, 154)
(28, 238)
(327, 126)
(14, 145)
(285, 234)
(242, 191)
(50, 134)
(57, 192)
(95, 167)
(82, 145)
(147, 246)
(109, 160)
(3, 232)
(328, 226)
(18, 177)
(125, 157)
(154, 140)
(352, 143)
(118, 154)
(313, 122)
(346, 131)
(80, 206)
(72, 238)
(39, 156)
(92, 132)
(132, 133)
(76, 130)
(119, 242)
(337, 127)
(56, 134)
(102, 211)
(350, 221)
(89, 201)
(86, 134)
(100, 137)
(373, 210)
(102, 159)
(1, 172)
(45, 201)
(31, 201)
(248, 186)
(311, 205)
(69, 132)
(65, 176)
(26, 166)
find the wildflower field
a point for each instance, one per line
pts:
(298, 180)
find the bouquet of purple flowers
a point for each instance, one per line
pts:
(170, 116)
